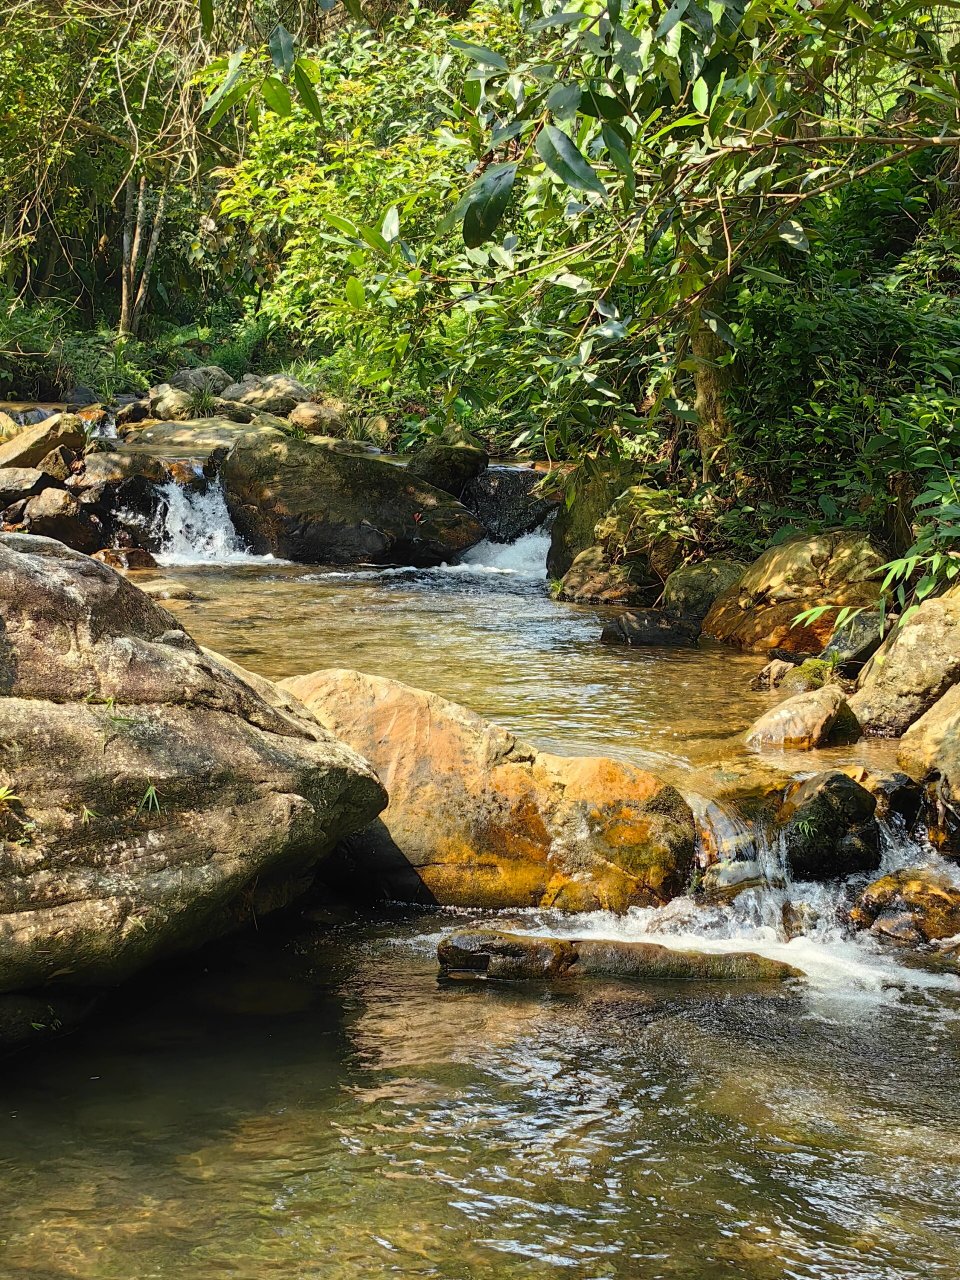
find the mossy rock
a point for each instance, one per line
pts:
(690, 590)
(814, 673)
(642, 525)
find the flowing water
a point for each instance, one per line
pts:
(317, 1104)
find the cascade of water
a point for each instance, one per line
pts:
(525, 558)
(194, 527)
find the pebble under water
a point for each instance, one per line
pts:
(312, 1101)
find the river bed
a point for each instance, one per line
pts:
(318, 1104)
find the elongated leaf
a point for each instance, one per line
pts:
(277, 96)
(487, 203)
(306, 92)
(341, 224)
(234, 72)
(355, 293)
(671, 18)
(486, 57)
(769, 277)
(281, 49)
(206, 16)
(374, 239)
(566, 19)
(563, 158)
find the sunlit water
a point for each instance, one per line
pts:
(316, 1103)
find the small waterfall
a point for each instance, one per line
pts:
(193, 526)
(524, 558)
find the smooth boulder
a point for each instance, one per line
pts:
(272, 393)
(510, 501)
(157, 796)
(478, 818)
(691, 590)
(818, 718)
(447, 466)
(913, 668)
(513, 956)
(311, 501)
(835, 569)
(644, 628)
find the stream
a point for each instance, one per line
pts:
(316, 1103)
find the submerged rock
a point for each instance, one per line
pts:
(691, 590)
(523, 956)
(803, 572)
(829, 829)
(913, 668)
(819, 718)
(509, 501)
(911, 907)
(651, 627)
(478, 818)
(307, 501)
(155, 797)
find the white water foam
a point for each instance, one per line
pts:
(524, 560)
(195, 528)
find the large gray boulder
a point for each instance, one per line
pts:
(692, 589)
(321, 502)
(914, 667)
(209, 377)
(272, 393)
(155, 795)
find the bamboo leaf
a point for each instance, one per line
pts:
(563, 158)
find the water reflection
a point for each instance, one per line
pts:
(328, 1109)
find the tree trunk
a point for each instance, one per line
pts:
(712, 382)
(141, 237)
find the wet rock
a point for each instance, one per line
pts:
(126, 558)
(210, 378)
(167, 589)
(807, 720)
(514, 956)
(897, 794)
(835, 569)
(202, 442)
(914, 667)
(323, 418)
(54, 513)
(448, 467)
(273, 393)
(478, 818)
(813, 673)
(691, 590)
(17, 483)
(510, 501)
(161, 800)
(727, 878)
(29, 447)
(856, 641)
(305, 501)
(912, 907)
(591, 491)
(829, 828)
(651, 627)
(771, 676)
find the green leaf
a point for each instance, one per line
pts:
(560, 155)
(277, 96)
(390, 227)
(769, 277)
(671, 18)
(306, 92)
(234, 72)
(374, 239)
(355, 294)
(486, 204)
(566, 19)
(701, 95)
(206, 16)
(281, 49)
(486, 57)
(341, 224)
(795, 236)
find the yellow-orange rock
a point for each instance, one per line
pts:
(478, 818)
(804, 572)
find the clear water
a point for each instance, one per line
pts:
(316, 1103)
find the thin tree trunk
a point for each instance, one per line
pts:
(141, 238)
(126, 264)
(712, 382)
